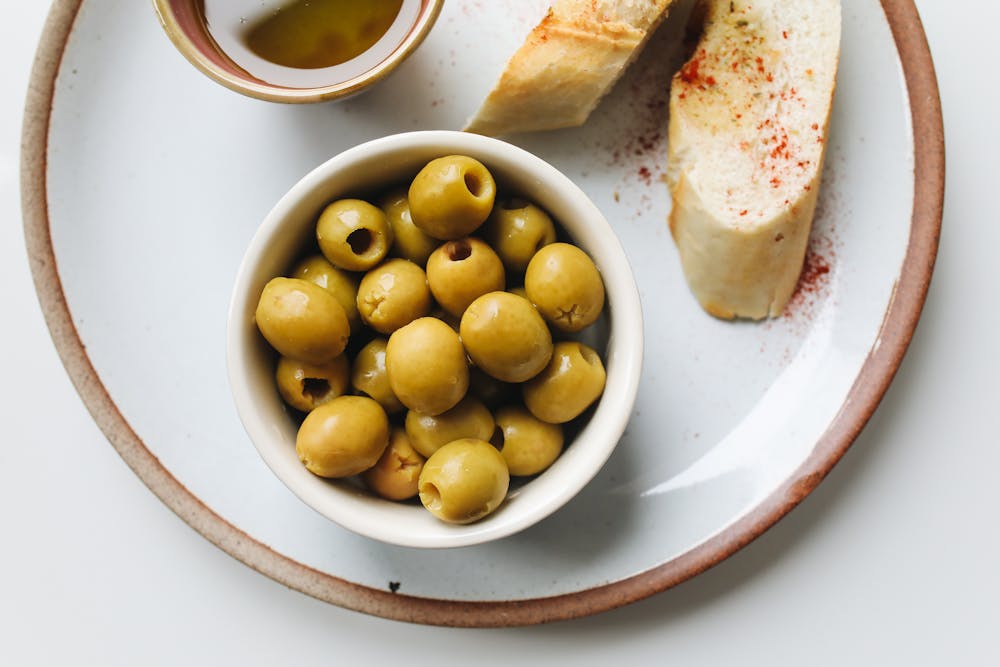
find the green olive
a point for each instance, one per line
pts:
(517, 230)
(410, 243)
(341, 284)
(306, 386)
(451, 197)
(468, 419)
(464, 481)
(393, 294)
(427, 366)
(572, 381)
(395, 475)
(565, 285)
(353, 234)
(529, 445)
(343, 437)
(369, 376)
(460, 271)
(506, 337)
(302, 320)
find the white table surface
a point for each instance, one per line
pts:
(895, 559)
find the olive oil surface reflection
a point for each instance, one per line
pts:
(308, 43)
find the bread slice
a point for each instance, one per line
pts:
(748, 125)
(567, 64)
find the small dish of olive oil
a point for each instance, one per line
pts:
(309, 43)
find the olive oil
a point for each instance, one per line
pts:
(309, 43)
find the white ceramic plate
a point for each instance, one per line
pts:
(144, 181)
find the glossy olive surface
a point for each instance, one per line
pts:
(393, 294)
(528, 445)
(506, 337)
(518, 229)
(302, 320)
(460, 271)
(343, 285)
(396, 474)
(343, 437)
(464, 481)
(427, 368)
(353, 234)
(571, 382)
(451, 197)
(564, 284)
(369, 376)
(305, 386)
(468, 419)
(410, 241)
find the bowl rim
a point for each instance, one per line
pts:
(429, 12)
(594, 444)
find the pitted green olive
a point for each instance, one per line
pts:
(353, 234)
(427, 367)
(468, 419)
(395, 475)
(343, 437)
(464, 481)
(302, 320)
(572, 381)
(451, 197)
(369, 376)
(517, 229)
(566, 287)
(506, 337)
(528, 445)
(410, 242)
(393, 294)
(343, 285)
(461, 271)
(305, 386)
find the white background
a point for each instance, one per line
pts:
(895, 559)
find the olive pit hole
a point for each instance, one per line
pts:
(474, 183)
(430, 496)
(315, 388)
(360, 240)
(459, 250)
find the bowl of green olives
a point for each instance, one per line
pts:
(435, 339)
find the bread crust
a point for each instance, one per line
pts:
(568, 62)
(749, 116)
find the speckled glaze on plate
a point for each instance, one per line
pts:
(143, 182)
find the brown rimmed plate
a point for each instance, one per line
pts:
(143, 182)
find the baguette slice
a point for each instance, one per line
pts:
(567, 64)
(749, 114)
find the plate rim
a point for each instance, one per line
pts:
(876, 373)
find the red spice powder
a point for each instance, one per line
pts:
(813, 287)
(689, 73)
(814, 270)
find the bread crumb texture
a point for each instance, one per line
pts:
(566, 65)
(754, 100)
(749, 113)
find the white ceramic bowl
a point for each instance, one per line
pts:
(289, 228)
